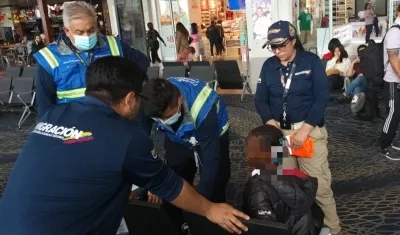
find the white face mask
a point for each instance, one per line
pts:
(170, 121)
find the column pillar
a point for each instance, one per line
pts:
(46, 22)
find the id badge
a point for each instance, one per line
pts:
(285, 123)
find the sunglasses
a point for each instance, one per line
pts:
(281, 47)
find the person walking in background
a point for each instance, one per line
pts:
(194, 34)
(369, 20)
(152, 42)
(181, 38)
(220, 45)
(213, 36)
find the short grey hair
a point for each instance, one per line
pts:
(77, 10)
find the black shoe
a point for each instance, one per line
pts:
(391, 153)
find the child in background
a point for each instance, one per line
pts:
(277, 194)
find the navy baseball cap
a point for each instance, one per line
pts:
(279, 32)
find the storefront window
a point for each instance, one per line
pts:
(132, 25)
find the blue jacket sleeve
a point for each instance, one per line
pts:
(320, 94)
(208, 138)
(134, 54)
(142, 167)
(261, 98)
(46, 91)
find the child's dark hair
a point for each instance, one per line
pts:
(270, 135)
(192, 50)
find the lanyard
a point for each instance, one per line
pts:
(286, 86)
(82, 61)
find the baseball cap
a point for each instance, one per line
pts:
(279, 32)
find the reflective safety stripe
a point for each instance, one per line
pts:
(199, 102)
(49, 57)
(113, 46)
(71, 94)
(224, 129)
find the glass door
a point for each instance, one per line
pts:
(171, 12)
(131, 22)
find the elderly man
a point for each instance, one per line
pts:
(62, 64)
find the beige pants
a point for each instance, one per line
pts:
(318, 167)
(304, 36)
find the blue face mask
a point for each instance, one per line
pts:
(85, 43)
(170, 121)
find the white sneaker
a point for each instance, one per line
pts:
(161, 65)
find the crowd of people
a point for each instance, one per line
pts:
(189, 46)
(74, 174)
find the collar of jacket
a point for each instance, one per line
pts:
(64, 44)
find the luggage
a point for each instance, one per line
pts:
(364, 106)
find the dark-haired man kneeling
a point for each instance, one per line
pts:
(195, 121)
(75, 171)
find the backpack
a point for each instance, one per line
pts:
(364, 106)
(372, 64)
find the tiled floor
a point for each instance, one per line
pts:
(366, 185)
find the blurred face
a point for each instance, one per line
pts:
(260, 155)
(284, 51)
(173, 110)
(81, 27)
(38, 39)
(337, 52)
(369, 6)
(150, 26)
(260, 12)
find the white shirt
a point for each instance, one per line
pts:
(342, 67)
(392, 42)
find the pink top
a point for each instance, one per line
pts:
(369, 16)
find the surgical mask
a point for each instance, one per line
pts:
(170, 121)
(85, 43)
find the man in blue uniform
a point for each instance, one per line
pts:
(62, 64)
(195, 121)
(75, 171)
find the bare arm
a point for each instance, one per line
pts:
(394, 60)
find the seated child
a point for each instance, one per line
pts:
(277, 194)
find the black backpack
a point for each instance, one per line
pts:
(372, 64)
(370, 109)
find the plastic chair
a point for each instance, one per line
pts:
(205, 74)
(24, 93)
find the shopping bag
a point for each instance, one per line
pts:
(306, 150)
(123, 229)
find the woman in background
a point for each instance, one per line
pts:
(181, 38)
(369, 15)
(196, 39)
(337, 67)
(36, 46)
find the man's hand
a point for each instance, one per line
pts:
(298, 139)
(227, 217)
(154, 199)
(272, 122)
(134, 195)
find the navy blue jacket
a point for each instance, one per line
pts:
(46, 90)
(75, 172)
(308, 94)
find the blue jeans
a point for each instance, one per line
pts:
(356, 86)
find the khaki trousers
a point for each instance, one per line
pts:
(304, 36)
(318, 167)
